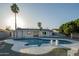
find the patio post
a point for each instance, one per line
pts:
(71, 35)
(51, 42)
(56, 42)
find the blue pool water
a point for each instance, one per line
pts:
(39, 41)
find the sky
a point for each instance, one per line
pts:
(51, 15)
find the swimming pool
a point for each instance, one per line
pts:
(39, 41)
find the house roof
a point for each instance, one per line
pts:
(33, 29)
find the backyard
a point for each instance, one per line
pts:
(6, 51)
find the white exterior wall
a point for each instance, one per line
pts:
(19, 34)
(48, 33)
(31, 33)
(26, 33)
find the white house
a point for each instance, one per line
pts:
(22, 32)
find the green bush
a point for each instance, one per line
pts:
(69, 27)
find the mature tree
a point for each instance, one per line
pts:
(7, 28)
(15, 10)
(77, 25)
(61, 29)
(70, 27)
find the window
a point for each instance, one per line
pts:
(53, 34)
(44, 33)
(29, 33)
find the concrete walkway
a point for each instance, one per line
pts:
(44, 48)
(31, 49)
(37, 50)
(74, 48)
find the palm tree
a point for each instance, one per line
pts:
(15, 10)
(40, 25)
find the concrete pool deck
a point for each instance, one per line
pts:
(19, 46)
(33, 49)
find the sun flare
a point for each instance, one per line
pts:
(10, 21)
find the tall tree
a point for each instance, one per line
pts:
(70, 27)
(40, 27)
(15, 10)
